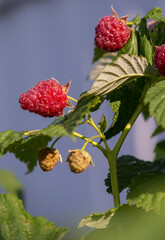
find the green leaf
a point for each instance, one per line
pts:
(9, 137)
(155, 97)
(27, 149)
(123, 100)
(102, 62)
(155, 14)
(160, 32)
(98, 53)
(85, 105)
(157, 34)
(10, 183)
(25, 145)
(102, 125)
(129, 167)
(145, 41)
(16, 223)
(135, 20)
(130, 222)
(148, 192)
(131, 46)
(145, 112)
(97, 220)
(157, 131)
(160, 150)
(58, 130)
(119, 72)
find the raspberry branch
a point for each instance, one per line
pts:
(91, 142)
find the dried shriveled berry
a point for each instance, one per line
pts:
(48, 158)
(79, 160)
(48, 98)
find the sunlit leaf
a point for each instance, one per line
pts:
(155, 14)
(27, 149)
(9, 137)
(17, 223)
(97, 220)
(148, 192)
(130, 222)
(119, 72)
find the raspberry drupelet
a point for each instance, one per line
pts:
(112, 33)
(159, 59)
(48, 98)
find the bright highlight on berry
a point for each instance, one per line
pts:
(48, 98)
(112, 33)
(159, 59)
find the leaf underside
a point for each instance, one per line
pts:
(121, 71)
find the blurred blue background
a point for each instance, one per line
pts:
(40, 39)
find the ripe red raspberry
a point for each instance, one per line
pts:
(48, 98)
(159, 59)
(112, 33)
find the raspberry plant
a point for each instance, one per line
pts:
(131, 80)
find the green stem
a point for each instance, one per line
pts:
(91, 122)
(71, 98)
(91, 142)
(54, 142)
(112, 160)
(127, 129)
(85, 144)
(112, 156)
(31, 132)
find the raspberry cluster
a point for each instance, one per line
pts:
(112, 33)
(159, 59)
(48, 98)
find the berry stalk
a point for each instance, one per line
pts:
(91, 142)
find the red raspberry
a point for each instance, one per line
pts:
(48, 98)
(159, 59)
(112, 33)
